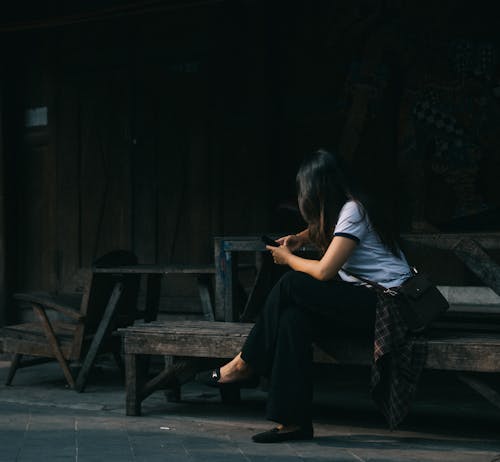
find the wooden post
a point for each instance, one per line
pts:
(132, 385)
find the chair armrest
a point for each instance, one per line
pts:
(66, 304)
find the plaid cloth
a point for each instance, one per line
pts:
(398, 359)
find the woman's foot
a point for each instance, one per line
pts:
(234, 371)
(285, 433)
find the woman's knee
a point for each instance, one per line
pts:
(292, 279)
(294, 285)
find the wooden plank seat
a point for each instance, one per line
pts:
(33, 335)
(463, 352)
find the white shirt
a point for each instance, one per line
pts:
(370, 259)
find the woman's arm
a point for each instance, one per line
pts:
(325, 269)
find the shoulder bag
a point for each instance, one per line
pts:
(419, 300)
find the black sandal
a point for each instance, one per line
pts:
(211, 379)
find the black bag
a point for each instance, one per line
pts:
(419, 300)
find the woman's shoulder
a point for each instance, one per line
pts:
(353, 210)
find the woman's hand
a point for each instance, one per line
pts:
(280, 254)
(292, 242)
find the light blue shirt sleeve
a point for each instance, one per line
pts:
(352, 222)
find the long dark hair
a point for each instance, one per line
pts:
(324, 185)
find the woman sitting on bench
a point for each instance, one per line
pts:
(355, 236)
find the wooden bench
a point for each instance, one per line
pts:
(462, 352)
(466, 340)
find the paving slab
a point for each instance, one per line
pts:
(43, 420)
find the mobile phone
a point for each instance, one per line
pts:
(268, 241)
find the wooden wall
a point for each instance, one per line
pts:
(167, 129)
(149, 145)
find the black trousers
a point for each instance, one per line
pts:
(298, 311)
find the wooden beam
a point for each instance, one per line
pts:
(99, 336)
(54, 344)
(14, 366)
(448, 241)
(479, 262)
(482, 388)
(167, 376)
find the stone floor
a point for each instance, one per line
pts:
(42, 420)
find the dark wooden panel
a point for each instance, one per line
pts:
(105, 166)
(68, 181)
(36, 226)
(197, 245)
(145, 172)
(183, 203)
(94, 170)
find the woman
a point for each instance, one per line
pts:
(356, 238)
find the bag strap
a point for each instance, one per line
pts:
(376, 286)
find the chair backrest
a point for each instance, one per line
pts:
(101, 286)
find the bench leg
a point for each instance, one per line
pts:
(132, 385)
(14, 365)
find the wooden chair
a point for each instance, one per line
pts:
(108, 302)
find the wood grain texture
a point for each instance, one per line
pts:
(452, 351)
(67, 148)
(158, 269)
(462, 351)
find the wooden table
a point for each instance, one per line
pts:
(227, 250)
(154, 274)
